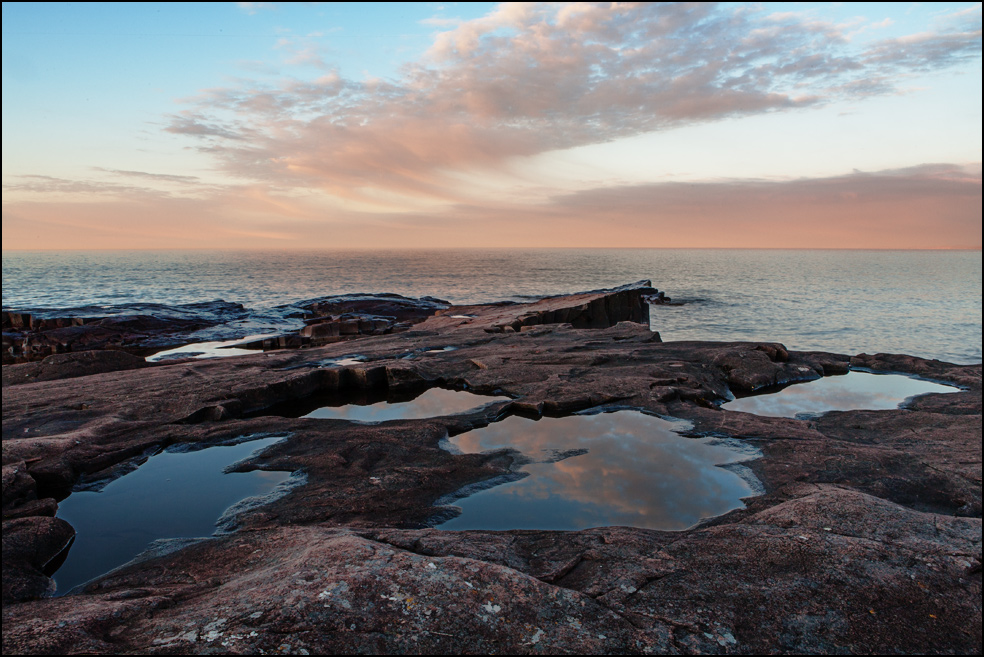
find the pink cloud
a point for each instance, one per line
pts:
(531, 78)
(934, 206)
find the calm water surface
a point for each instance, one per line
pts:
(925, 303)
(172, 495)
(435, 402)
(848, 392)
(623, 468)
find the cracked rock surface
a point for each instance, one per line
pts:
(867, 537)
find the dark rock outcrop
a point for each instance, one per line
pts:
(585, 310)
(395, 306)
(34, 336)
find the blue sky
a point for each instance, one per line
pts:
(296, 125)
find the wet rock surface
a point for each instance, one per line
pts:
(867, 537)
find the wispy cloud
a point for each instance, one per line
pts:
(252, 8)
(883, 209)
(531, 78)
(159, 177)
(439, 21)
(196, 125)
(53, 185)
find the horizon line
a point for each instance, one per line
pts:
(491, 248)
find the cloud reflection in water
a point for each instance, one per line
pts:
(637, 471)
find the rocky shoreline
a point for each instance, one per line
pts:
(867, 537)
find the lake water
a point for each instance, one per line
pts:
(924, 303)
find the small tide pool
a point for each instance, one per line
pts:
(215, 349)
(848, 392)
(173, 494)
(618, 468)
(379, 407)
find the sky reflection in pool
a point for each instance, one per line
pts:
(635, 471)
(171, 495)
(220, 349)
(851, 391)
(432, 403)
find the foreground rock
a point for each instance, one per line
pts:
(867, 538)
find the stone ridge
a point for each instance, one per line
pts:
(586, 310)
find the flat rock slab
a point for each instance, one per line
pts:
(867, 537)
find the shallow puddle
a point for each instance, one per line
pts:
(622, 468)
(341, 361)
(173, 494)
(434, 402)
(851, 391)
(220, 349)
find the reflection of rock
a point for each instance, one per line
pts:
(557, 455)
(866, 539)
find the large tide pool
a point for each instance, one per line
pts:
(174, 494)
(618, 468)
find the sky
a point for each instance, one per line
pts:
(334, 125)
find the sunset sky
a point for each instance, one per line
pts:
(269, 125)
